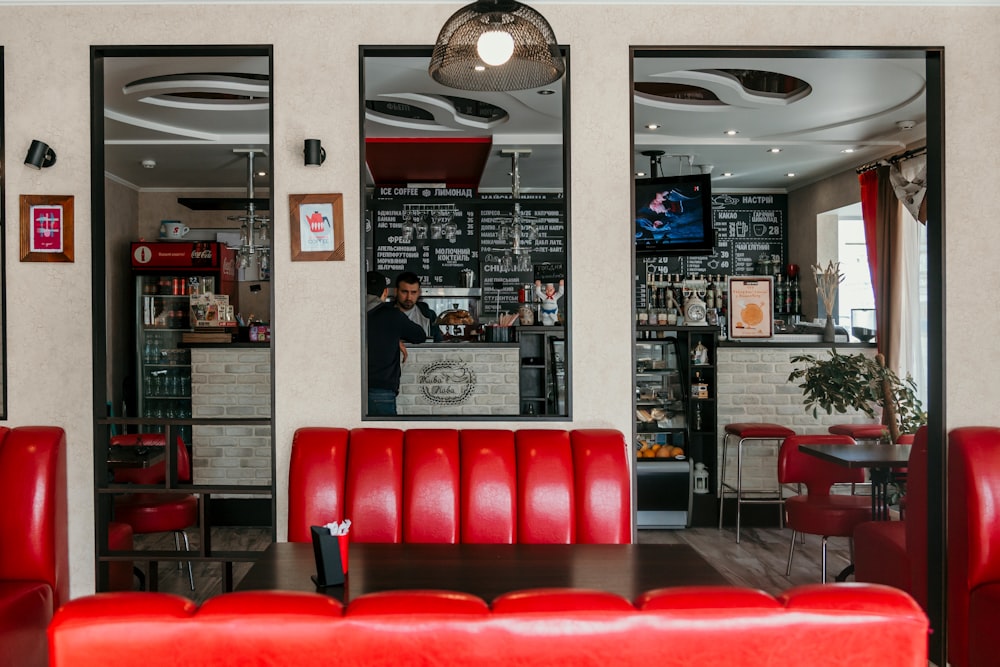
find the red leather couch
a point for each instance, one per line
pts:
(819, 626)
(470, 485)
(973, 546)
(895, 552)
(34, 552)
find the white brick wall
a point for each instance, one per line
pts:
(753, 386)
(447, 372)
(234, 383)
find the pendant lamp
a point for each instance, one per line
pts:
(496, 45)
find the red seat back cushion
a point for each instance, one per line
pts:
(602, 487)
(916, 517)
(316, 477)
(546, 507)
(489, 486)
(374, 487)
(431, 486)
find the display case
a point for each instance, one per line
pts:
(675, 419)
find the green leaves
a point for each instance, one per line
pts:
(858, 382)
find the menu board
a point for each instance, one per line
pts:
(501, 273)
(748, 228)
(432, 232)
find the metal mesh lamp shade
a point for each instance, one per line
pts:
(458, 63)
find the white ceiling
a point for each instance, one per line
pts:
(853, 102)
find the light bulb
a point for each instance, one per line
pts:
(495, 47)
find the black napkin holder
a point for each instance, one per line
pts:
(326, 548)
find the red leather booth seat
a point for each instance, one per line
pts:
(973, 546)
(34, 552)
(895, 552)
(462, 486)
(819, 626)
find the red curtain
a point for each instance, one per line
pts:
(869, 206)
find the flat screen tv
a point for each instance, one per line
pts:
(673, 215)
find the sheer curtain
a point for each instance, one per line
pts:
(896, 260)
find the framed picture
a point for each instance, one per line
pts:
(46, 228)
(751, 304)
(317, 227)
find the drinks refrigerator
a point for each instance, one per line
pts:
(166, 275)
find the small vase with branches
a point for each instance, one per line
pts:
(827, 281)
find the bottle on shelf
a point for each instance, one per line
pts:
(779, 295)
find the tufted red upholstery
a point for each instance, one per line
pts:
(431, 486)
(545, 488)
(374, 485)
(834, 625)
(471, 485)
(973, 546)
(489, 487)
(34, 555)
(895, 552)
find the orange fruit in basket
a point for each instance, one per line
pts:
(663, 452)
(752, 314)
(676, 451)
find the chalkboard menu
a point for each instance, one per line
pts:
(432, 232)
(405, 238)
(748, 228)
(501, 274)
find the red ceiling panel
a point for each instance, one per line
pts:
(456, 162)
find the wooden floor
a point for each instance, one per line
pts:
(757, 561)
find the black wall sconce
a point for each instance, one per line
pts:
(39, 155)
(314, 153)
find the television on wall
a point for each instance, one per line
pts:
(673, 215)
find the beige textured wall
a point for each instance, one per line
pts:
(317, 344)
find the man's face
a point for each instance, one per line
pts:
(407, 295)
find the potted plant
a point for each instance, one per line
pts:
(856, 381)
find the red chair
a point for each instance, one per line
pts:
(819, 512)
(152, 512)
(895, 552)
(154, 474)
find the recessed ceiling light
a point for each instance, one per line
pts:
(640, 174)
(732, 133)
(847, 150)
(546, 91)
(727, 173)
(790, 174)
(773, 150)
(262, 173)
(653, 126)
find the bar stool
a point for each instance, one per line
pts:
(749, 432)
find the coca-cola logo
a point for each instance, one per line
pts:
(201, 254)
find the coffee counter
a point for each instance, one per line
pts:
(460, 378)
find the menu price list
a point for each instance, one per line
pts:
(501, 280)
(748, 228)
(436, 258)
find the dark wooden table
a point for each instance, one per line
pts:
(132, 456)
(881, 459)
(488, 570)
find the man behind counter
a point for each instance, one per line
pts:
(387, 329)
(409, 303)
